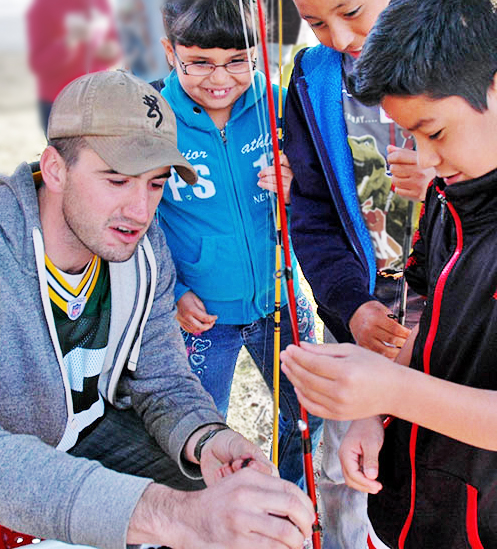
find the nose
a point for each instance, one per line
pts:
(341, 36)
(428, 157)
(219, 75)
(139, 206)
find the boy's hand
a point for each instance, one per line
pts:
(359, 453)
(409, 179)
(342, 381)
(192, 316)
(267, 178)
(374, 329)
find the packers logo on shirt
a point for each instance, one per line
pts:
(72, 300)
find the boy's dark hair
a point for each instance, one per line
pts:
(69, 148)
(436, 48)
(209, 23)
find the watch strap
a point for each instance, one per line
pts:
(201, 442)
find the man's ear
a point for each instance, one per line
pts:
(53, 169)
(168, 48)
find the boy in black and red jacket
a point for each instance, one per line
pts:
(432, 64)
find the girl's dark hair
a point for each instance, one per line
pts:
(209, 23)
(437, 48)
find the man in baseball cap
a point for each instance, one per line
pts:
(106, 434)
(124, 120)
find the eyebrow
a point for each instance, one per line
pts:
(337, 7)
(110, 171)
(420, 124)
(165, 174)
(200, 57)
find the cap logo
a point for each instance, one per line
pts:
(153, 108)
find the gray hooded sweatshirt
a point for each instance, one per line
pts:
(44, 491)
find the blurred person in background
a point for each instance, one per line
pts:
(67, 40)
(140, 29)
(291, 29)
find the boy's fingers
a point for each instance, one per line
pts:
(327, 349)
(396, 155)
(310, 365)
(358, 481)
(370, 461)
(326, 411)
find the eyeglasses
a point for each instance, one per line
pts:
(200, 68)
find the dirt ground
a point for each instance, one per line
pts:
(21, 139)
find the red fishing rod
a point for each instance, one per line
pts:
(303, 424)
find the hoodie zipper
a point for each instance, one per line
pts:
(428, 346)
(39, 249)
(355, 243)
(443, 201)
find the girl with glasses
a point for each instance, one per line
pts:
(221, 230)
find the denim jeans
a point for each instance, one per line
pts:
(213, 355)
(120, 442)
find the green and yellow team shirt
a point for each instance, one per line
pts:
(81, 307)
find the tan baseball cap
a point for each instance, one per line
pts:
(123, 119)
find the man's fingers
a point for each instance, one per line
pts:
(283, 499)
(274, 533)
(298, 508)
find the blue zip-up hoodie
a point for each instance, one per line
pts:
(221, 230)
(329, 234)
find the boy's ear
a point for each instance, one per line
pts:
(53, 169)
(492, 95)
(494, 83)
(168, 48)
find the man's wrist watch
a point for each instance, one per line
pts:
(202, 441)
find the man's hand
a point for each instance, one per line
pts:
(409, 179)
(192, 315)
(374, 329)
(267, 178)
(243, 511)
(227, 452)
(359, 453)
(342, 381)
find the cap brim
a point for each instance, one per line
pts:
(137, 154)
